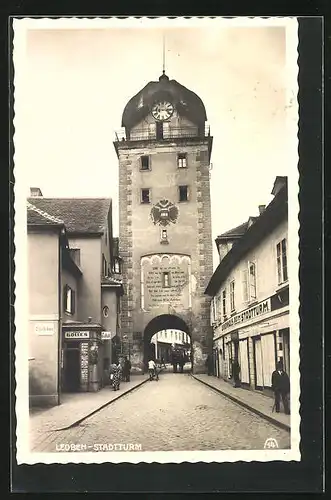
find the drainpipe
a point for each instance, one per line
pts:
(59, 348)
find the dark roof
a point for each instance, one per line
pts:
(38, 217)
(237, 231)
(273, 215)
(187, 102)
(80, 215)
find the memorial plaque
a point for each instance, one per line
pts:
(166, 281)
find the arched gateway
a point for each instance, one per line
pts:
(165, 242)
(161, 323)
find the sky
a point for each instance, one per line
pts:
(72, 86)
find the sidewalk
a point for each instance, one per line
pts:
(77, 406)
(253, 401)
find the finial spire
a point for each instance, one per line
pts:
(163, 67)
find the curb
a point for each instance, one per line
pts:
(272, 420)
(101, 407)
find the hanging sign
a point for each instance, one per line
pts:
(107, 335)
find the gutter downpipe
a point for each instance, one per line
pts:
(59, 345)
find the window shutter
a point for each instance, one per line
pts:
(73, 302)
(245, 285)
(64, 298)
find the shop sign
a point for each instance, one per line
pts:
(249, 314)
(44, 328)
(107, 335)
(84, 352)
(77, 335)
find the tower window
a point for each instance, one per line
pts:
(183, 193)
(182, 160)
(145, 195)
(166, 279)
(164, 236)
(145, 163)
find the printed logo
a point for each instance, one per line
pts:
(271, 443)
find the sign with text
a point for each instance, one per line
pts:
(248, 314)
(107, 335)
(166, 280)
(84, 362)
(44, 328)
(77, 335)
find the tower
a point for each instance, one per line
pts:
(165, 239)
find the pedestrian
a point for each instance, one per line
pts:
(126, 369)
(280, 383)
(236, 373)
(151, 368)
(162, 362)
(209, 364)
(117, 372)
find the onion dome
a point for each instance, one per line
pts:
(187, 103)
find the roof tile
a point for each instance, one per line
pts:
(80, 215)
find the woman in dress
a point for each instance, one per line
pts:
(117, 372)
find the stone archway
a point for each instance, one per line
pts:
(159, 323)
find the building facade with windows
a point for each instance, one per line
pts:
(165, 340)
(250, 296)
(74, 295)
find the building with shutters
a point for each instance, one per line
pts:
(250, 295)
(74, 290)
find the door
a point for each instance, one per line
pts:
(159, 130)
(229, 360)
(72, 370)
(286, 350)
(268, 357)
(243, 361)
(258, 364)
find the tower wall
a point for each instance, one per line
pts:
(189, 235)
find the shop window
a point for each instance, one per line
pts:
(145, 195)
(182, 160)
(145, 163)
(183, 193)
(282, 261)
(166, 279)
(232, 301)
(69, 300)
(104, 266)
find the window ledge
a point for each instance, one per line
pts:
(282, 286)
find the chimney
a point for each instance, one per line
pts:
(279, 183)
(261, 209)
(35, 192)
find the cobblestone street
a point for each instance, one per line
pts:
(176, 413)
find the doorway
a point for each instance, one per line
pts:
(71, 369)
(286, 349)
(258, 364)
(159, 130)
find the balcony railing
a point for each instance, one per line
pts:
(165, 134)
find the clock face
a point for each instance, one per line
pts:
(162, 110)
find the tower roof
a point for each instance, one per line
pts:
(187, 102)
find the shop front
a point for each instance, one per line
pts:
(82, 358)
(257, 338)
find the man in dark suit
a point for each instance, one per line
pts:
(281, 386)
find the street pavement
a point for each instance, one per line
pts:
(175, 413)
